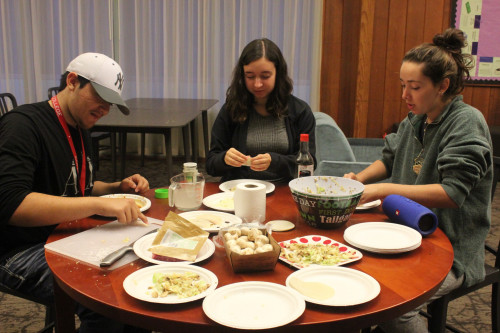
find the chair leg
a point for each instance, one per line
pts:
(495, 309)
(438, 310)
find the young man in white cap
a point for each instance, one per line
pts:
(46, 175)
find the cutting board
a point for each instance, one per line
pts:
(92, 245)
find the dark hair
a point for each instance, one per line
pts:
(239, 100)
(62, 83)
(443, 59)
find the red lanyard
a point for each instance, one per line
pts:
(64, 125)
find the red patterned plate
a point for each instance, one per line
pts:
(316, 251)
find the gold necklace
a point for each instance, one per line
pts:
(419, 160)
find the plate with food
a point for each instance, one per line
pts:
(221, 201)
(369, 205)
(316, 250)
(254, 305)
(230, 186)
(142, 245)
(142, 202)
(334, 286)
(210, 220)
(170, 284)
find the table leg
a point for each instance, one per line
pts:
(185, 138)
(65, 310)
(168, 152)
(123, 153)
(143, 147)
(204, 117)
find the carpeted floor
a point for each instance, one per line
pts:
(470, 313)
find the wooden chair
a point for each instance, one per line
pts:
(437, 310)
(7, 103)
(96, 137)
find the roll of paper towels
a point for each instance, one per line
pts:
(250, 202)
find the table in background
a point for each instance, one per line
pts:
(406, 279)
(159, 115)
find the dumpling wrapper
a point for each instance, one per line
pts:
(316, 290)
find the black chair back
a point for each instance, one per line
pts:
(7, 103)
(52, 91)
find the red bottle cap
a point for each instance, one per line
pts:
(304, 137)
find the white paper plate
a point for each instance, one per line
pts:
(383, 237)
(220, 201)
(315, 239)
(369, 205)
(351, 286)
(137, 283)
(228, 219)
(145, 201)
(142, 245)
(230, 186)
(254, 305)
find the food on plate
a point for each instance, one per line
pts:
(247, 241)
(320, 254)
(183, 285)
(313, 289)
(226, 203)
(139, 202)
(206, 220)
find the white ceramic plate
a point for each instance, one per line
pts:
(227, 219)
(254, 305)
(137, 283)
(383, 237)
(143, 200)
(142, 245)
(351, 287)
(369, 205)
(315, 239)
(221, 201)
(230, 186)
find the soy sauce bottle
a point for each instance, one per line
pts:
(305, 162)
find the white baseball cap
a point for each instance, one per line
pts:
(104, 74)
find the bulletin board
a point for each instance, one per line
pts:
(480, 21)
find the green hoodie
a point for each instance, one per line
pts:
(457, 154)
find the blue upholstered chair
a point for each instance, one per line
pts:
(338, 155)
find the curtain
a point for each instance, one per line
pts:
(167, 48)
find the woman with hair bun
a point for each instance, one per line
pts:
(256, 134)
(440, 157)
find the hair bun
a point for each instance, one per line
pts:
(451, 39)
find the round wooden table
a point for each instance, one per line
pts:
(406, 279)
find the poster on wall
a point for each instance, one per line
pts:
(479, 20)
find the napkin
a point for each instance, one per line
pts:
(410, 213)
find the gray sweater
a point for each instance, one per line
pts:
(457, 154)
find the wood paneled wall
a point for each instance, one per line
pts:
(364, 42)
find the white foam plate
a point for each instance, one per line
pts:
(317, 239)
(254, 305)
(383, 237)
(228, 219)
(369, 205)
(230, 186)
(351, 287)
(142, 245)
(145, 201)
(137, 283)
(221, 201)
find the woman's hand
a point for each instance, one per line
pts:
(135, 183)
(235, 158)
(260, 162)
(125, 210)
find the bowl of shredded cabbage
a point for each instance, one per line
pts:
(325, 201)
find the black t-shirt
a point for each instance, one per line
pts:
(35, 156)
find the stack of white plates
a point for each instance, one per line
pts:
(383, 237)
